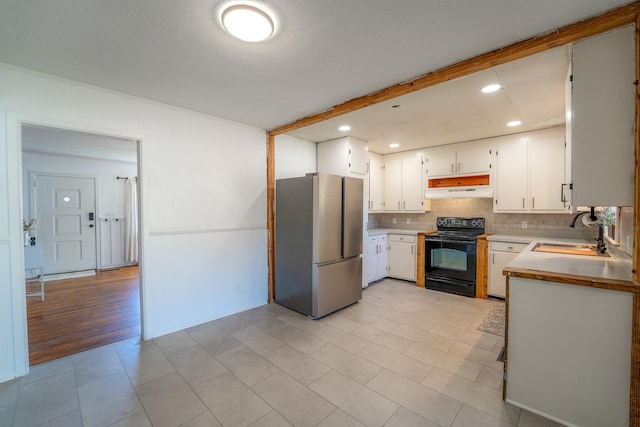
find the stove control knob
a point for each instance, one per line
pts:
(441, 222)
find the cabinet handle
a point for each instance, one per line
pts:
(411, 249)
(452, 166)
(493, 258)
(404, 205)
(523, 203)
(459, 167)
(398, 204)
(563, 198)
(533, 202)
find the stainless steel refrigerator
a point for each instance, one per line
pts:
(318, 243)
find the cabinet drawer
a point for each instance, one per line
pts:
(402, 238)
(507, 247)
(372, 239)
(382, 237)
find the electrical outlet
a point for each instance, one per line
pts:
(408, 220)
(393, 220)
(524, 224)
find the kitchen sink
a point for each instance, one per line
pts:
(568, 249)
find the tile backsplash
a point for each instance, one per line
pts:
(495, 222)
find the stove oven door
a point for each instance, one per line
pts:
(450, 259)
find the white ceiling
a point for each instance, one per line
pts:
(533, 92)
(324, 53)
(47, 140)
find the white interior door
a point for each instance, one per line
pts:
(65, 209)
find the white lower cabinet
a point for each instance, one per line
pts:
(402, 256)
(501, 254)
(375, 258)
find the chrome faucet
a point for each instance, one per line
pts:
(600, 239)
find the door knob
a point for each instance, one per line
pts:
(90, 225)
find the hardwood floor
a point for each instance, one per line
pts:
(83, 313)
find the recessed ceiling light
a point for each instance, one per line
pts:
(344, 128)
(247, 22)
(394, 145)
(492, 88)
(514, 123)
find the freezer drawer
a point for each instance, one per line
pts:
(336, 286)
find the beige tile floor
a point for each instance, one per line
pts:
(403, 356)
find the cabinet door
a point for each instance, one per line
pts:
(412, 192)
(358, 156)
(546, 166)
(473, 161)
(393, 185)
(333, 157)
(382, 257)
(370, 261)
(402, 260)
(511, 177)
(497, 285)
(376, 183)
(441, 163)
(603, 119)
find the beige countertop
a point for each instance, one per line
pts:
(594, 271)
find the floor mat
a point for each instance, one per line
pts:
(494, 322)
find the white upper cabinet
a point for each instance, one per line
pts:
(511, 178)
(471, 161)
(393, 185)
(474, 161)
(530, 172)
(546, 176)
(376, 183)
(403, 188)
(603, 119)
(343, 156)
(441, 163)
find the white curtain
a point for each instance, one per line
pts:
(131, 212)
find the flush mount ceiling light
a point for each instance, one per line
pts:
(494, 87)
(247, 22)
(514, 123)
(344, 128)
(394, 145)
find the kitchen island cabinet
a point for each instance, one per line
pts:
(573, 338)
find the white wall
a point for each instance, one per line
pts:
(294, 157)
(203, 204)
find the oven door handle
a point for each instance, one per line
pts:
(448, 240)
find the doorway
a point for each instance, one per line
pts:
(75, 187)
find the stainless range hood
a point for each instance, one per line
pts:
(472, 192)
